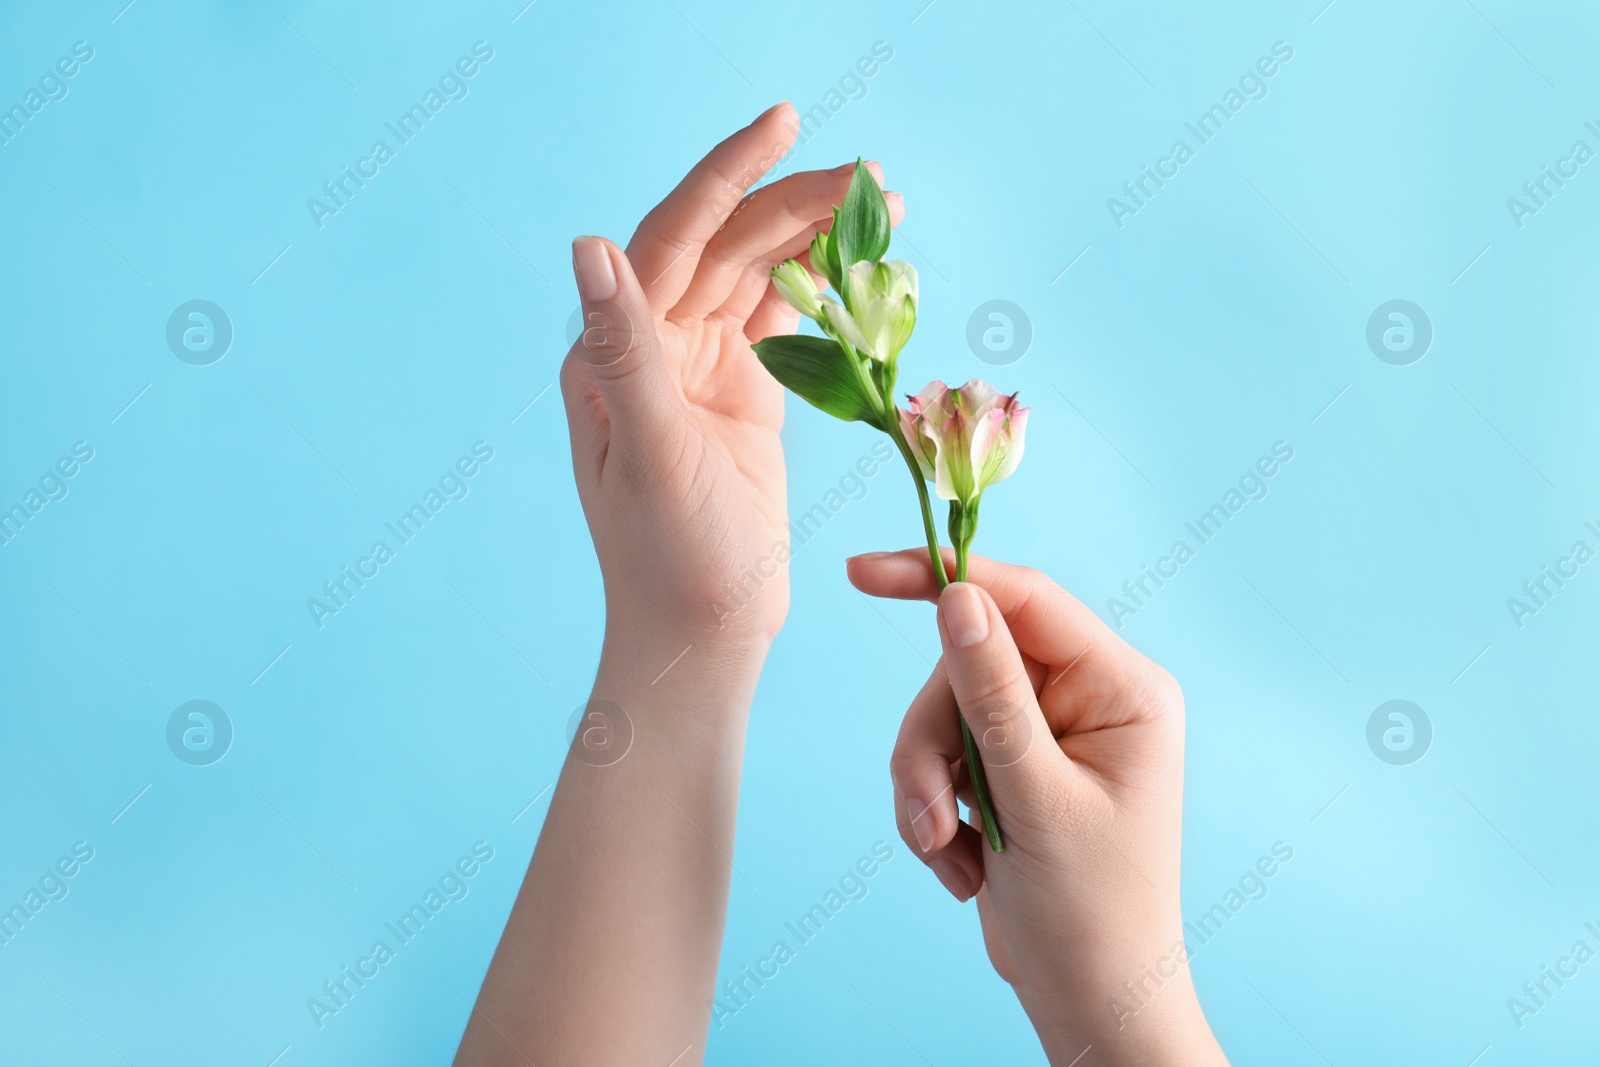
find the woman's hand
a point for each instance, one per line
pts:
(674, 421)
(1082, 740)
(610, 954)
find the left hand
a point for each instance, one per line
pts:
(674, 421)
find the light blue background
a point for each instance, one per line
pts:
(1224, 316)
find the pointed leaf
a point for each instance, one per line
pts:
(861, 223)
(821, 372)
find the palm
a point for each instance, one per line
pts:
(676, 436)
(735, 404)
(729, 485)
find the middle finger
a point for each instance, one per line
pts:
(767, 219)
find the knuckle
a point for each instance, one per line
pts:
(609, 337)
(898, 763)
(1162, 690)
(1029, 584)
(1003, 732)
(903, 766)
(726, 318)
(729, 189)
(1169, 686)
(573, 372)
(654, 230)
(1033, 577)
(992, 689)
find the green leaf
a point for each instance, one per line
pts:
(822, 373)
(861, 223)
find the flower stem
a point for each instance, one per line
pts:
(892, 428)
(980, 782)
(963, 525)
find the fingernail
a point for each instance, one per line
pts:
(965, 618)
(592, 264)
(952, 877)
(921, 822)
(873, 555)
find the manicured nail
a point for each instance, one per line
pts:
(952, 877)
(965, 617)
(592, 264)
(921, 817)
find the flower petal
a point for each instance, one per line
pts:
(922, 449)
(1014, 436)
(845, 326)
(795, 284)
(978, 395)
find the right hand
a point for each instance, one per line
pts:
(1082, 741)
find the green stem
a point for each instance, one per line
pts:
(963, 525)
(980, 781)
(892, 428)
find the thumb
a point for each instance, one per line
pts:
(1025, 767)
(619, 343)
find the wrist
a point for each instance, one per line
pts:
(679, 680)
(1144, 1021)
(665, 655)
(737, 633)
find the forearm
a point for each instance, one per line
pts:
(610, 953)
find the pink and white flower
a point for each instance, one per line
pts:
(966, 439)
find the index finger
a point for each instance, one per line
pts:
(666, 247)
(1047, 622)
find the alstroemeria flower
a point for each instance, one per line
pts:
(883, 302)
(795, 284)
(819, 253)
(964, 439)
(844, 326)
